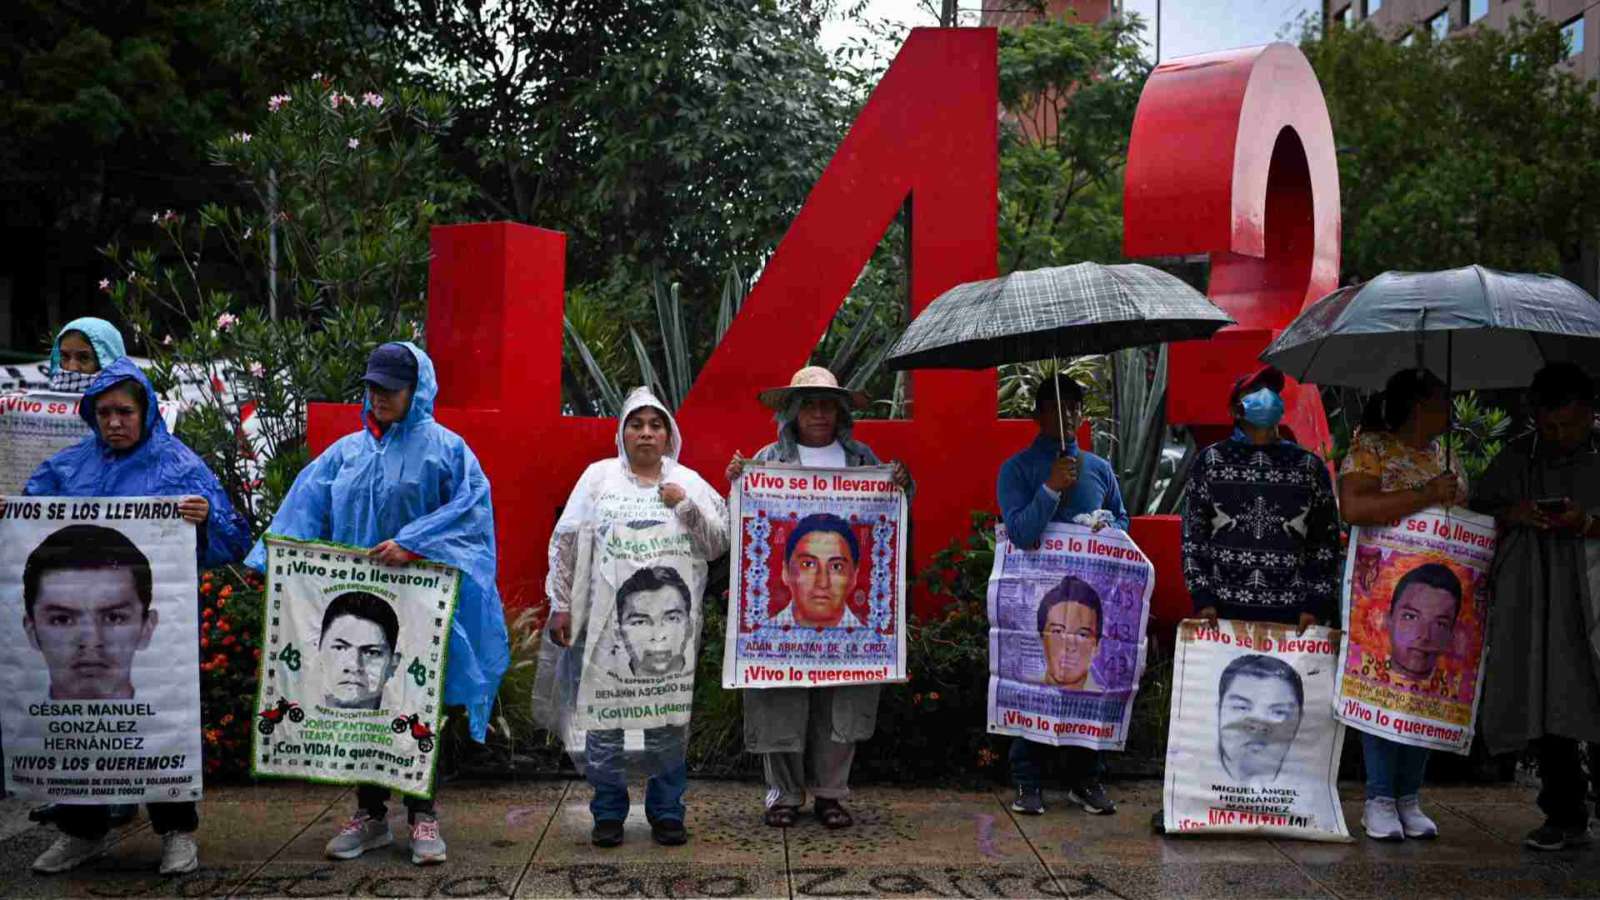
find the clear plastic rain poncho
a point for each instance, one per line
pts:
(632, 573)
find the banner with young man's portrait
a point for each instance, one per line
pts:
(101, 666)
(1252, 744)
(1416, 614)
(1067, 636)
(818, 590)
(37, 425)
(352, 678)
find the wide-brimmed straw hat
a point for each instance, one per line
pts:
(814, 379)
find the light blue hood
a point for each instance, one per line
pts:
(103, 337)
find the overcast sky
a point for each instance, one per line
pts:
(1187, 26)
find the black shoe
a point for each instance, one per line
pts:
(606, 834)
(1551, 836)
(1092, 797)
(1029, 801)
(669, 832)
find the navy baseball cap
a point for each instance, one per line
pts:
(391, 367)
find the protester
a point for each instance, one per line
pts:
(81, 349)
(1396, 467)
(807, 736)
(1542, 670)
(645, 476)
(1260, 527)
(1053, 480)
(409, 489)
(131, 454)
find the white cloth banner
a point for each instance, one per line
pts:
(1252, 745)
(101, 666)
(1067, 636)
(352, 681)
(35, 426)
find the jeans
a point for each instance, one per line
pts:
(92, 822)
(1393, 770)
(1027, 763)
(374, 800)
(1563, 794)
(606, 771)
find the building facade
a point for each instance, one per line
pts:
(1403, 19)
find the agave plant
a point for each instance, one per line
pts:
(855, 360)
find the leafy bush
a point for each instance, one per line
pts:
(230, 653)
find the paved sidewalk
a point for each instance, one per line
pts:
(532, 840)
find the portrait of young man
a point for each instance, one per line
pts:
(86, 593)
(1070, 620)
(1422, 620)
(654, 621)
(1260, 702)
(820, 561)
(358, 650)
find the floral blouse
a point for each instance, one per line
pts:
(1396, 466)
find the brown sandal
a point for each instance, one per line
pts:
(833, 815)
(782, 816)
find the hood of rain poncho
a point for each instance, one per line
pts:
(420, 485)
(789, 429)
(158, 465)
(640, 398)
(103, 337)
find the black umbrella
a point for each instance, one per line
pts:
(1041, 314)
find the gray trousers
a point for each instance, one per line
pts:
(823, 767)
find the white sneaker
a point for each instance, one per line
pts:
(69, 852)
(360, 834)
(1413, 820)
(179, 853)
(427, 847)
(1381, 820)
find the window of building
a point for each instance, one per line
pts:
(1572, 33)
(1372, 7)
(1347, 16)
(1409, 39)
(1477, 9)
(1439, 26)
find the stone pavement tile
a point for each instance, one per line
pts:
(931, 879)
(1233, 881)
(239, 830)
(636, 877)
(1509, 822)
(1460, 842)
(974, 831)
(1363, 878)
(723, 818)
(1066, 834)
(380, 875)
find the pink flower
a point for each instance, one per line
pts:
(166, 341)
(242, 137)
(105, 284)
(277, 101)
(226, 321)
(373, 100)
(334, 99)
(354, 143)
(248, 231)
(257, 370)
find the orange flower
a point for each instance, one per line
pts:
(208, 613)
(205, 643)
(934, 696)
(227, 719)
(206, 588)
(257, 653)
(916, 699)
(229, 641)
(227, 591)
(224, 601)
(223, 624)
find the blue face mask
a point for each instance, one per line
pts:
(1263, 408)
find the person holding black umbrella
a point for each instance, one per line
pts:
(1054, 480)
(1397, 467)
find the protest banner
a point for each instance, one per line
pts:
(37, 425)
(1252, 744)
(1067, 636)
(1416, 612)
(352, 678)
(640, 631)
(101, 659)
(819, 578)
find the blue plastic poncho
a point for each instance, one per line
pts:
(159, 465)
(103, 337)
(420, 485)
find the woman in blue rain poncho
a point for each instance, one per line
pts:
(131, 454)
(81, 349)
(410, 489)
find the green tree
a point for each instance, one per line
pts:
(1476, 149)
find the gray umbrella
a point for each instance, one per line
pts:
(1051, 313)
(1475, 328)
